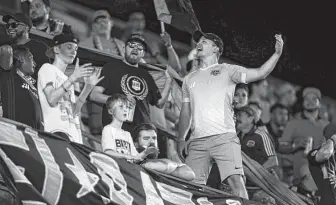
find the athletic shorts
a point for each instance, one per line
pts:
(224, 149)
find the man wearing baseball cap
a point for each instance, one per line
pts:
(56, 91)
(322, 165)
(101, 25)
(255, 143)
(130, 78)
(296, 137)
(213, 126)
(18, 26)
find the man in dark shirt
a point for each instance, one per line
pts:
(19, 95)
(322, 166)
(17, 27)
(255, 142)
(129, 78)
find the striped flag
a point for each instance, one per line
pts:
(177, 13)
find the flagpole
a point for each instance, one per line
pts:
(162, 27)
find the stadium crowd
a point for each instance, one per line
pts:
(227, 107)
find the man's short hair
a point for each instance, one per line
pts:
(114, 99)
(141, 127)
(278, 106)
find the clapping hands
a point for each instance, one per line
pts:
(84, 70)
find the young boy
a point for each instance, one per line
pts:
(117, 142)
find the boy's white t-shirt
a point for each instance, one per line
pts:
(118, 140)
(59, 118)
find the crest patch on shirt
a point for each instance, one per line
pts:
(215, 72)
(250, 143)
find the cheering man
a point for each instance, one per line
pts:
(207, 110)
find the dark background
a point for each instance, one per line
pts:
(306, 26)
(247, 28)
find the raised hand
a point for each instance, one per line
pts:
(84, 70)
(6, 57)
(166, 39)
(95, 78)
(278, 44)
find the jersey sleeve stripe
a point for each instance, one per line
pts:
(267, 144)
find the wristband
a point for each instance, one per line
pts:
(170, 47)
(65, 90)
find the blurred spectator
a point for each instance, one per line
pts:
(322, 165)
(255, 143)
(18, 26)
(117, 142)
(241, 96)
(56, 90)
(145, 137)
(39, 12)
(279, 119)
(296, 136)
(286, 95)
(136, 24)
(259, 93)
(18, 90)
(101, 25)
(134, 81)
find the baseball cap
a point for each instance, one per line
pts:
(211, 36)
(100, 13)
(315, 91)
(20, 17)
(137, 38)
(60, 39)
(248, 110)
(329, 130)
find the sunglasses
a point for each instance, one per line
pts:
(13, 25)
(136, 45)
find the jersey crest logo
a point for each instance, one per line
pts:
(134, 86)
(215, 72)
(250, 143)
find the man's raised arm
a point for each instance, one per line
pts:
(268, 66)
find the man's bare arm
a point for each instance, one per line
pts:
(268, 66)
(271, 163)
(165, 92)
(98, 96)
